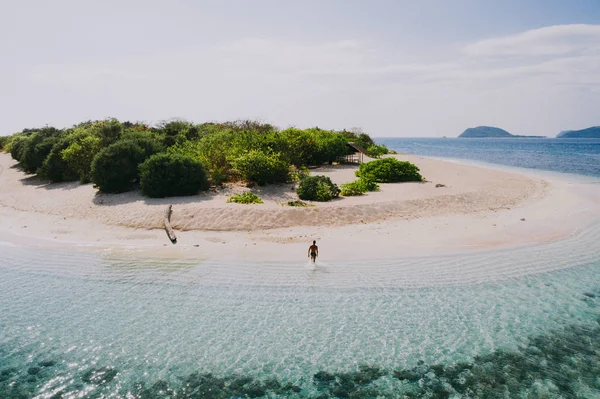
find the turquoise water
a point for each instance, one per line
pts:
(523, 321)
(579, 156)
(512, 323)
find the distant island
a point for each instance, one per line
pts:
(490, 132)
(589, 133)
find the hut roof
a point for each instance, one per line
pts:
(358, 148)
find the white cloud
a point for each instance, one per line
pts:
(550, 40)
(527, 83)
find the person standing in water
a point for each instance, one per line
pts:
(313, 251)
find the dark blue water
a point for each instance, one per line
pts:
(580, 156)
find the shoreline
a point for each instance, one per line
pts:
(403, 220)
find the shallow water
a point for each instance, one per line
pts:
(82, 325)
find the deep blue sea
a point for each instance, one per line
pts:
(580, 156)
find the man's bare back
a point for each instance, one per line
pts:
(313, 251)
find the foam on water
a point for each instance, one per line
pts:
(107, 323)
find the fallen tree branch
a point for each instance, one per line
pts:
(168, 228)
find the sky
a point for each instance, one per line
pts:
(393, 68)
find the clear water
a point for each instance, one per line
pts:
(580, 156)
(75, 325)
(513, 323)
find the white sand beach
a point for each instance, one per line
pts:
(478, 208)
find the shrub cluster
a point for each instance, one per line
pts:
(247, 197)
(164, 175)
(55, 168)
(389, 170)
(317, 188)
(35, 150)
(115, 168)
(108, 152)
(377, 150)
(80, 153)
(17, 146)
(4, 140)
(296, 203)
(32, 147)
(298, 173)
(358, 187)
(261, 168)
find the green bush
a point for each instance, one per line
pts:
(317, 188)
(4, 140)
(377, 150)
(308, 147)
(389, 170)
(108, 131)
(358, 137)
(296, 203)
(218, 176)
(358, 187)
(330, 146)
(213, 150)
(115, 168)
(17, 146)
(35, 151)
(218, 172)
(80, 154)
(261, 168)
(149, 145)
(176, 131)
(169, 175)
(247, 197)
(55, 168)
(298, 173)
(368, 184)
(352, 189)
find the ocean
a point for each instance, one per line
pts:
(510, 323)
(576, 156)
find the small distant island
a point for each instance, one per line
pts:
(589, 133)
(491, 132)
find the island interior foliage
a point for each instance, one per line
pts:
(178, 157)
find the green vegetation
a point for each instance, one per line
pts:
(34, 151)
(17, 145)
(317, 188)
(115, 168)
(4, 142)
(296, 203)
(55, 168)
(79, 155)
(247, 197)
(377, 151)
(389, 170)
(296, 174)
(358, 187)
(164, 175)
(109, 153)
(261, 168)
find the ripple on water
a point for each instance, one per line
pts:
(77, 323)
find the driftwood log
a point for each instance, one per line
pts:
(168, 228)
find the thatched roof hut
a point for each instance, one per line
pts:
(356, 153)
